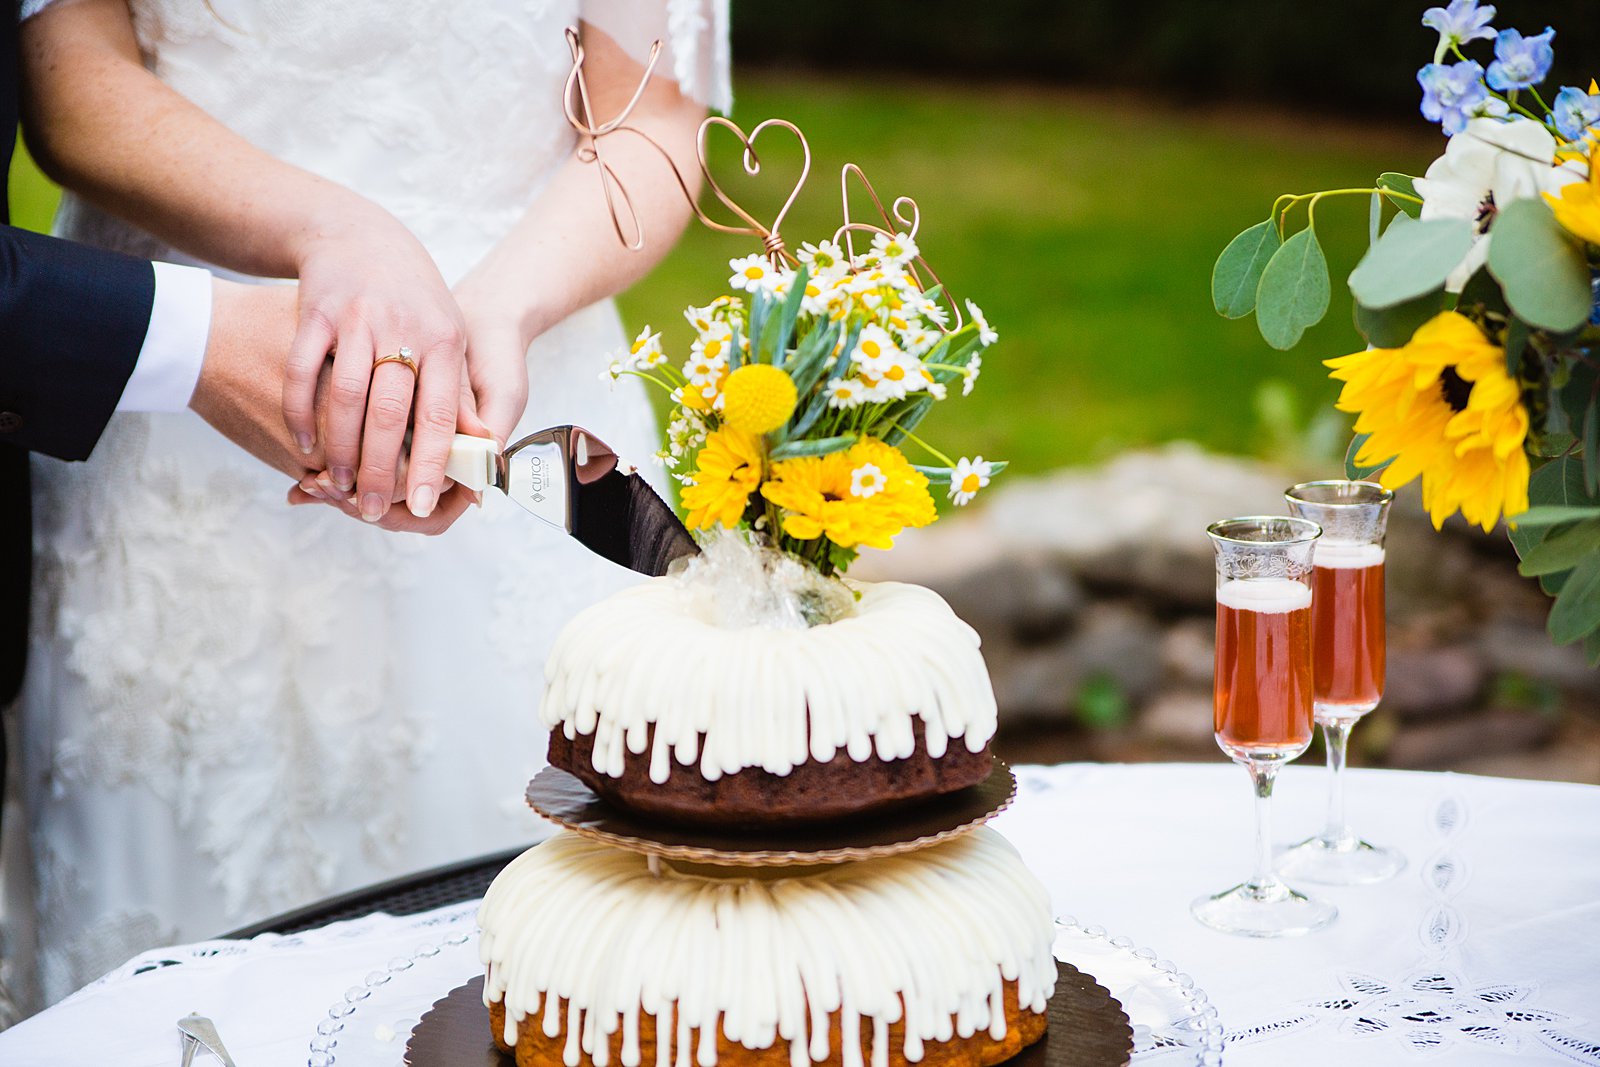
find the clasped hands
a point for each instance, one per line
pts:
(293, 376)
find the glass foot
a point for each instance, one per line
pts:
(1349, 862)
(1272, 910)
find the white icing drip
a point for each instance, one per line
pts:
(933, 934)
(766, 698)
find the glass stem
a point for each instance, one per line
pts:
(1336, 739)
(1262, 776)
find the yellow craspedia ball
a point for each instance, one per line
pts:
(758, 398)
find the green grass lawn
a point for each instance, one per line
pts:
(1085, 227)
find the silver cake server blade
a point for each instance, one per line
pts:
(574, 481)
(200, 1032)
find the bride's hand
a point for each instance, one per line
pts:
(497, 348)
(369, 289)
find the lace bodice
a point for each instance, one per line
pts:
(443, 113)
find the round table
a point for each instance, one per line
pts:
(1485, 950)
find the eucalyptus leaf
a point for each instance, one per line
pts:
(822, 446)
(1401, 183)
(1516, 342)
(1545, 515)
(1482, 292)
(1238, 270)
(1410, 259)
(1293, 293)
(1562, 550)
(1591, 448)
(1576, 612)
(1544, 272)
(1391, 327)
(1355, 471)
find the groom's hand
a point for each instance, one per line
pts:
(240, 390)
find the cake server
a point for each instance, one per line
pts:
(200, 1032)
(572, 480)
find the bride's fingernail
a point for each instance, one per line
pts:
(344, 478)
(305, 442)
(372, 507)
(423, 501)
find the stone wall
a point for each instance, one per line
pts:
(1092, 590)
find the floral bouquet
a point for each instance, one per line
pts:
(791, 410)
(1478, 303)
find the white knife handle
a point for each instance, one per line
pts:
(472, 462)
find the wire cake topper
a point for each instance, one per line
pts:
(902, 216)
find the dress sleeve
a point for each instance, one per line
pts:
(31, 8)
(693, 34)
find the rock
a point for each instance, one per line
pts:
(1189, 651)
(1423, 682)
(1436, 745)
(1028, 599)
(1180, 716)
(1114, 642)
(1525, 648)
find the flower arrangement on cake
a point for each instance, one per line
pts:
(804, 383)
(1479, 304)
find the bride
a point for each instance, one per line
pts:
(232, 707)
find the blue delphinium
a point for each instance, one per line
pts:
(1520, 62)
(1574, 112)
(1459, 23)
(1455, 93)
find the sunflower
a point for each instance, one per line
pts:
(862, 495)
(1443, 407)
(729, 471)
(1578, 206)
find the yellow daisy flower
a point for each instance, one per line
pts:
(1578, 206)
(729, 471)
(817, 497)
(1442, 407)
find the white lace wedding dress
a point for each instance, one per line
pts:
(234, 707)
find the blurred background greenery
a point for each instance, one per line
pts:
(1078, 169)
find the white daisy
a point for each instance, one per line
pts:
(612, 373)
(986, 333)
(895, 251)
(845, 393)
(825, 258)
(967, 478)
(867, 481)
(714, 343)
(875, 351)
(703, 370)
(752, 273)
(969, 374)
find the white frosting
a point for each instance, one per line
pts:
(1268, 596)
(1336, 556)
(591, 935)
(763, 697)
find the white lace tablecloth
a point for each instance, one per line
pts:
(1485, 950)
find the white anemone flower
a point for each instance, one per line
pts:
(1485, 167)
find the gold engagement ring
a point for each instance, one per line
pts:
(402, 357)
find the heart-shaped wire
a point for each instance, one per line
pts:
(904, 217)
(771, 235)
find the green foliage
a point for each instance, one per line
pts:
(820, 446)
(942, 475)
(1102, 704)
(1355, 471)
(1238, 269)
(1559, 542)
(1544, 272)
(1293, 293)
(1410, 260)
(1391, 327)
(1404, 184)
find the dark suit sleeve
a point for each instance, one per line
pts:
(72, 321)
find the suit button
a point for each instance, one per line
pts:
(10, 422)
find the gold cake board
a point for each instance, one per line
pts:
(560, 797)
(1088, 1028)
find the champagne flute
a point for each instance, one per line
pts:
(1347, 626)
(1263, 700)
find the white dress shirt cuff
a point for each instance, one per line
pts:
(175, 343)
